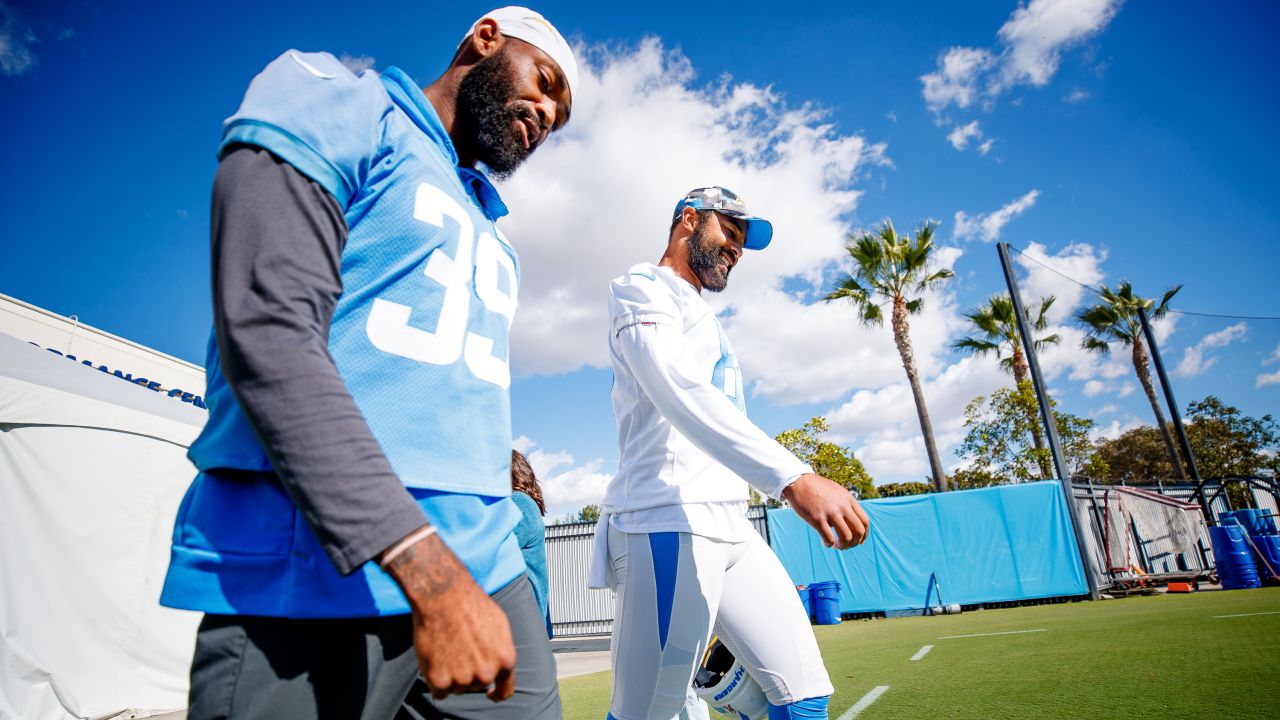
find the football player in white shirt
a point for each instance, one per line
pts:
(673, 539)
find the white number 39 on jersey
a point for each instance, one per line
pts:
(388, 325)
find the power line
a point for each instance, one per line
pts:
(1098, 292)
(1057, 272)
(1229, 317)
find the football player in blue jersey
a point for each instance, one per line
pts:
(350, 535)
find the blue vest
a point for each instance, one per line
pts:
(419, 335)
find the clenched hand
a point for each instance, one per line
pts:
(828, 507)
(461, 636)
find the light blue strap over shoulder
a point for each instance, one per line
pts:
(308, 109)
(728, 365)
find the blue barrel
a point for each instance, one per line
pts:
(1261, 522)
(1254, 520)
(824, 598)
(1268, 553)
(1236, 568)
(803, 591)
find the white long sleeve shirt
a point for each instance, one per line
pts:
(685, 442)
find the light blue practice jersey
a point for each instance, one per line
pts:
(419, 336)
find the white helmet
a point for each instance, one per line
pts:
(724, 683)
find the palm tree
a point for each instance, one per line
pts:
(1115, 319)
(891, 269)
(998, 332)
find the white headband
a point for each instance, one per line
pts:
(525, 24)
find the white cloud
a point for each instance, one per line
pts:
(962, 134)
(956, 80)
(1043, 274)
(566, 485)
(987, 227)
(16, 39)
(1115, 428)
(804, 353)
(892, 116)
(1075, 97)
(1194, 360)
(642, 135)
(1031, 43)
(985, 147)
(886, 429)
(1272, 378)
(1060, 275)
(1037, 33)
(357, 63)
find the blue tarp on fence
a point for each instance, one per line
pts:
(1012, 542)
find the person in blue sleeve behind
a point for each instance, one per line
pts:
(351, 536)
(526, 492)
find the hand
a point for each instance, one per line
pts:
(826, 505)
(461, 636)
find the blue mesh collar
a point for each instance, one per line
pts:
(406, 94)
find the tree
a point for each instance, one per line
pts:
(589, 513)
(1136, 455)
(894, 270)
(827, 458)
(1227, 442)
(972, 478)
(996, 441)
(1116, 319)
(998, 333)
(904, 489)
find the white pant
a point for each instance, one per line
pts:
(672, 588)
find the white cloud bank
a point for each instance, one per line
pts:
(598, 198)
(1031, 43)
(566, 485)
(987, 227)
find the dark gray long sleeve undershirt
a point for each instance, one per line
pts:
(277, 249)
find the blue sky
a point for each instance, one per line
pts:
(1112, 141)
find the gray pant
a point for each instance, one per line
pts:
(281, 669)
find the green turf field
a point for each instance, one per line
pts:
(1165, 656)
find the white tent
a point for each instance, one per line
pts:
(92, 469)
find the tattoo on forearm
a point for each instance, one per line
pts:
(424, 581)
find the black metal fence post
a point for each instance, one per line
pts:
(1183, 442)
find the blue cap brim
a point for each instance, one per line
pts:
(759, 233)
(759, 230)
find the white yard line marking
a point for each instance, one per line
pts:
(1269, 612)
(922, 652)
(864, 703)
(1009, 632)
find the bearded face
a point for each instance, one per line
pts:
(707, 259)
(489, 114)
